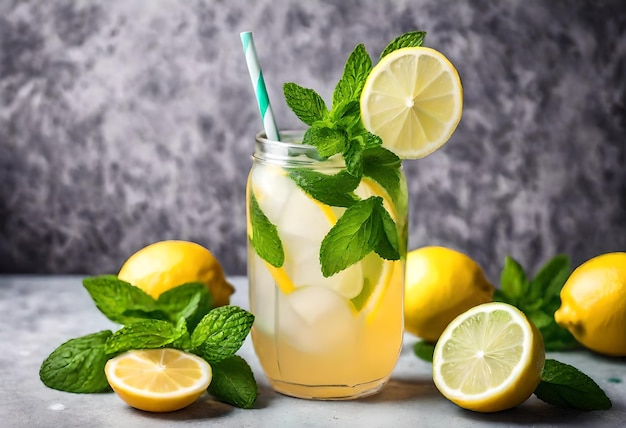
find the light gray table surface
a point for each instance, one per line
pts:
(38, 313)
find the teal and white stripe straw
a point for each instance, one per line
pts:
(256, 76)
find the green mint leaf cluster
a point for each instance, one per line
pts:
(538, 297)
(180, 318)
(565, 386)
(123, 303)
(340, 130)
(365, 226)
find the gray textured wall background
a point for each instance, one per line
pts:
(130, 121)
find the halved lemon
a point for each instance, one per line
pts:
(489, 358)
(158, 380)
(413, 100)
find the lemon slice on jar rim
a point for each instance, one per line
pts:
(413, 100)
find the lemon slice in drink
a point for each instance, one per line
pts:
(377, 273)
(489, 358)
(158, 380)
(302, 223)
(412, 100)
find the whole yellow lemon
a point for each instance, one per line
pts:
(166, 264)
(593, 304)
(440, 284)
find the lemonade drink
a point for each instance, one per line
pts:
(327, 218)
(316, 336)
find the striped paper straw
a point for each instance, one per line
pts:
(256, 76)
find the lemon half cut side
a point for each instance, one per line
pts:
(489, 358)
(158, 380)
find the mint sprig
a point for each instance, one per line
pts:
(538, 297)
(563, 385)
(365, 226)
(181, 318)
(355, 72)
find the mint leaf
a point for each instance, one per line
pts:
(120, 301)
(540, 319)
(265, 239)
(371, 140)
(355, 72)
(361, 229)
(77, 365)
(350, 239)
(135, 315)
(221, 333)
(556, 338)
(407, 40)
(563, 385)
(353, 157)
(538, 298)
(424, 350)
(328, 140)
(305, 103)
(513, 280)
(334, 190)
(183, 342)
(233, 382)
(387, 245)
(347, 114)
(383, 166)
(191, 302)
(146, 334)
(544, 290)
(551, 277)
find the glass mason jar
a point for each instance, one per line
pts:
(318, 337)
